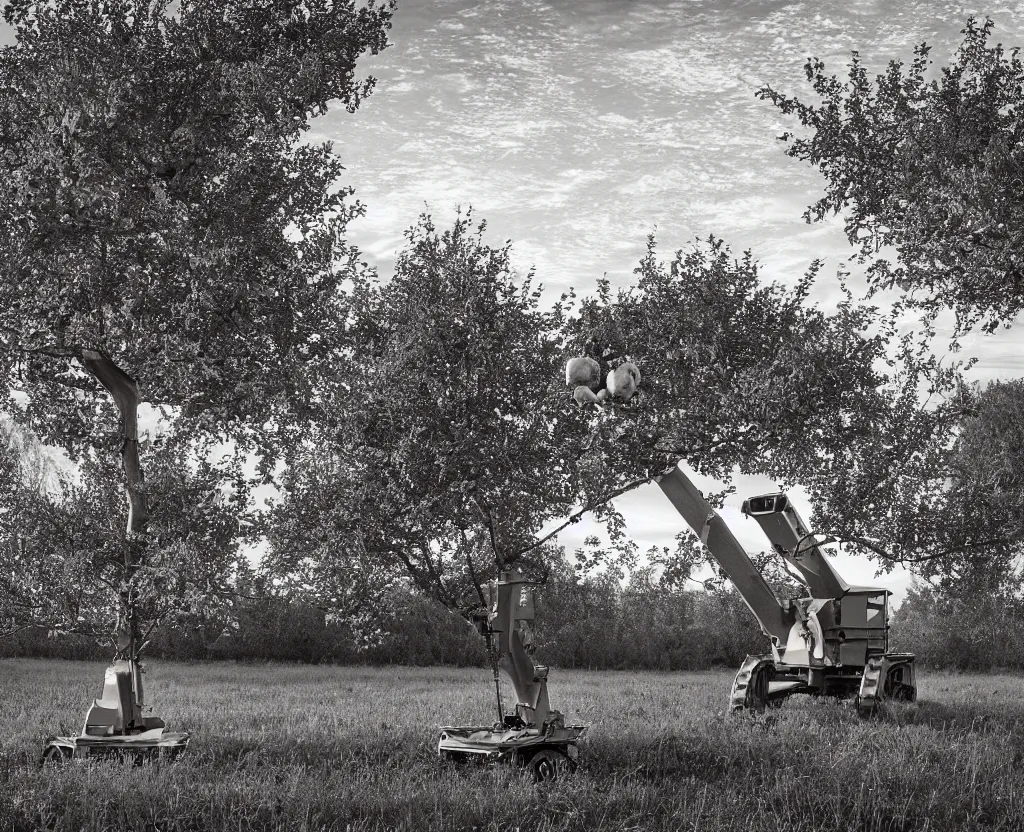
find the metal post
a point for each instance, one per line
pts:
(497, 679)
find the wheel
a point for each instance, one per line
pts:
(750, 687)
(454, 758)
(56, 755)
(899, 683)
(756, 698)
(549, 764)
(884, 682)
(872, 687)
(145, 756)
(757, 690)
(866, 706)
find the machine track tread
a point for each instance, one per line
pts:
(871, 686)
(883, 680)
(750, 687)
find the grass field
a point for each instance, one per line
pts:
(309, 748)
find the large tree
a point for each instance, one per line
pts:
(928, 167)
(984, 533)
(446, 455)
(457, 451)
(166, 236)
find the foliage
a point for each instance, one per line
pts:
(987, 482)
(592, 621)
(929, 166)
(990, 455)
(65, 557)
(316, 542)
(456, 453)
(159, 208)
(967, 628)
(448, 459)
(952, 513)
(166, 236)
(737, 372)
(745, 375)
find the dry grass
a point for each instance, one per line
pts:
(310, 748)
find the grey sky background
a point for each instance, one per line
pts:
(578, 127)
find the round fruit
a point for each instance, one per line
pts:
(583, 370)
(623, 381)
(584, 395)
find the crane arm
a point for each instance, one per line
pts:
(727, 550)
(789, 534)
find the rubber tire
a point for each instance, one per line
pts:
(757, 690)
(547, 765)
(898, 691)
(56, 756)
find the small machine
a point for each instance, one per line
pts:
(833, 642)
(535, 735)
(115, 726)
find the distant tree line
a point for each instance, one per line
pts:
(592, 622)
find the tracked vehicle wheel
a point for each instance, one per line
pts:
(750, 687)
(56, 756)
(899, 683)
(886, 679)
(548, 765)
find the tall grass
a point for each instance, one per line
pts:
(311, 748)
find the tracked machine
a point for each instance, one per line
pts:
(535, 735)
(116, 725)
(833, 642)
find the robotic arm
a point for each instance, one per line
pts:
(512, 610)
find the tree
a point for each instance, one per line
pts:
(447, 460)
(969, 628)
(166, 237)
(743, 375)
(457, 451)
(987, 480)
(930, 169)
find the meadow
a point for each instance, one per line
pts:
(317, 747)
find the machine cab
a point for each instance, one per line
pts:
(862, 623)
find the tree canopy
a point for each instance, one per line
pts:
(456, 450)
(986, 473)
(929, 166)
(167, 237)
(64, 561)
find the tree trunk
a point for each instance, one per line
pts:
(125, 392)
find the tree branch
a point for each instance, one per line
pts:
(576, 515)
(878, 550)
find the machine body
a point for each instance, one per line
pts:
(534, 735)
(115, 724)
(833, 642)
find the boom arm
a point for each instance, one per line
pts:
(731, 556)
(788, 533)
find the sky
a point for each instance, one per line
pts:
(576, 128)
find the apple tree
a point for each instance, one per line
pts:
(166, 235)
(457, 450)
